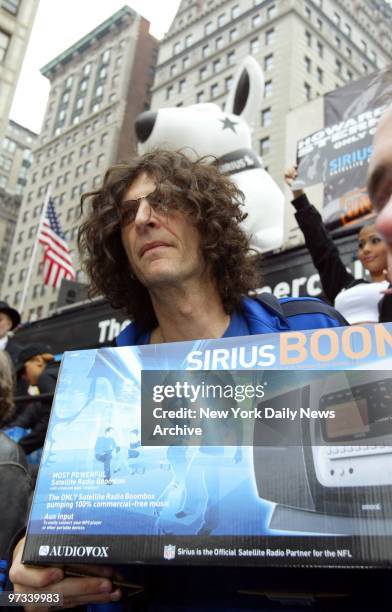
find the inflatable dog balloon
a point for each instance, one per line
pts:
(204, 129)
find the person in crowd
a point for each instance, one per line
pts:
(162, 240)
(33, 379)
(15, 482)
(359, 301)
(380, 181)
(9, 320)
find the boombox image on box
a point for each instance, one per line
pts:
(263, 450)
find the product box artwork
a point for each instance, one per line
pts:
(270, 450)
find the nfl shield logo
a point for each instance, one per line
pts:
(169, 552)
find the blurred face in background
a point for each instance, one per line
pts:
(372, 251)
(5, 324)
(35, 366)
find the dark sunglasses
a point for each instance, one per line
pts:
(161, 200)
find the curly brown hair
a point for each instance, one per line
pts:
(210, 200)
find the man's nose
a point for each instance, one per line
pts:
(143, 215)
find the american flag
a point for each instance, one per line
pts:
(57, 259)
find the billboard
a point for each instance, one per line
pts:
(338, 155)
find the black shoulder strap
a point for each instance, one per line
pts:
(296, 307)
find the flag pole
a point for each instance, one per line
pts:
(34, 253)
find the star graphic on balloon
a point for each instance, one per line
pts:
(228, 124)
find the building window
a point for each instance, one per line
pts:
(308, 91)
(221, 20)
(266, 117)
(235, 11)
(256, 21)
(98, 92)
(169, 92)
(69, 81)
(87, 69)
(181, 85)
(173, 69)
(308, 37)
(268, 89)
(188, 40)
(228, 83)
(105, 57)
(271, 11)
(203, 73)
(214, 90)
(347, 30)
(268, 62)
(320, 49)
(102, 73)
(200, 97)
(373, 57)
(363, 46)
(16, 257)
(320, 25)
(233, 34)
(185, 63)
(265, 145)
(308, 12)
(254, 46)
(349, 53)
(216, 66)
(269, 36)
(308, 64)
(320, 75)
(338, 66)
(219, 42)
(350, 75)
(205, 51)
(4, 43)
(231, 58)
(208, 28)
(336, 19)
(11, 6)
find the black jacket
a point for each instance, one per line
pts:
(326, 258)
(34, 414)
(15, 491)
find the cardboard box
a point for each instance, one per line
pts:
(125, 478)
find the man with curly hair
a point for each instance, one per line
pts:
(162, 240)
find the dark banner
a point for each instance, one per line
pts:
(338, 155)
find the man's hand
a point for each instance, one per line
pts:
(289, 176)
(75, 591)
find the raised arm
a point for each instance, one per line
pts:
(323, 251)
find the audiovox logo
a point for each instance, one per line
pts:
(74, 551)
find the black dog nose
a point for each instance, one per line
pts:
(144, 125)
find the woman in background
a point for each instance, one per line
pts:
(358, 300)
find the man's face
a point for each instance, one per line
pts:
(163, 248)
(5, 324)
(380, 181)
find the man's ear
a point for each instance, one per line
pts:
(246, 94)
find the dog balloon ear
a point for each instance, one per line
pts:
(247, 92)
